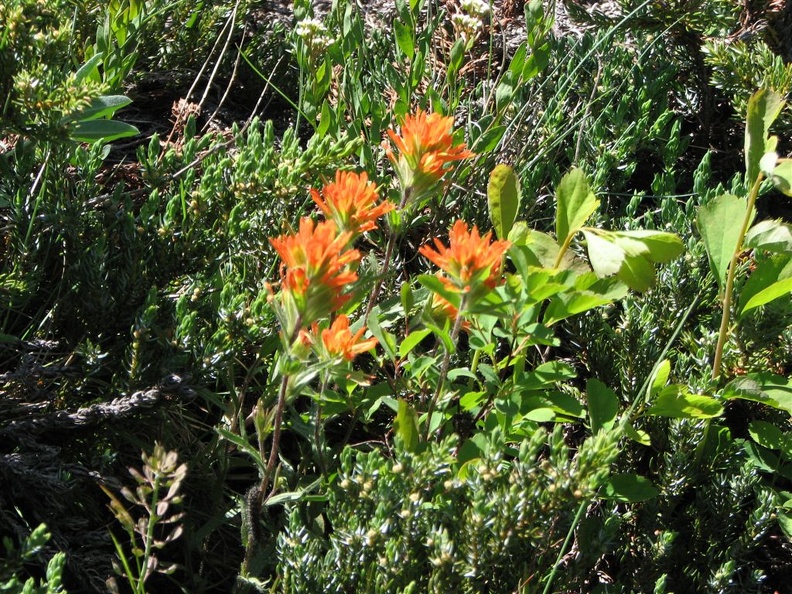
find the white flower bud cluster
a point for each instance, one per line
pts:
(314, 35)
(467, 23)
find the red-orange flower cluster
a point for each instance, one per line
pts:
(472, 262)
(350, 200)
(338, 340)
(426, 151)
(315, 270)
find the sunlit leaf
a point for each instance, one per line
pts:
(764, 106)
(770, 235)
(720, 223)
(675, 401)
(575, 203)
(503, 199)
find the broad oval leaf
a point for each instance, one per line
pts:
(503, 198)
(782, 288)
(764, 106)
(605, 256)
(770, 235)
(406, 426)
(782, 177)
(629, 488)
(676, 402)
(575, 203)
(102, 131)
(720, 223)
(603, 405)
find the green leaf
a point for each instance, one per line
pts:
(637, 273)
(406, 426)
(768, 435)
(404, 38)
(101, 107)
(767, 272)
(655, 246)
(503, 198)
(89, 70)
(575, 204)
(605, 256)
(785, 523)
(773, 236)
(660, 377)
(767, 388)
(244, 446)
(386, 340)
(782, 177)
(764, 106)
(412, 340)
(637, 435)
(676, 402)
(720, 223)
(102, 131)
(434, 284)
(603, 405)
(629, 488)
(782, 288)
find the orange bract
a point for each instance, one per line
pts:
(426, 150)
(314, 271)
(471, 261)
(338, 340)
(349, 201)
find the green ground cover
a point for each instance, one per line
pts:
(396, 297)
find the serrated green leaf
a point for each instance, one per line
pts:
(676, 402)
(503, 199)
(629, 488)
(764, 106)
(575, 203)
(720, 223)
(603, 405)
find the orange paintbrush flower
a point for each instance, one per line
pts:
(472, 262)
(350, 200)
(315, 271)
(426, 151)
(338, 340)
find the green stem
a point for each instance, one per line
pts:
(444, 367)
(562, 552)
(563, 249)
(723, 332)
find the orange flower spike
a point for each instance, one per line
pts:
(350, 200)
(315, 270)
(338, 340)
(470, 260)
(426, 151)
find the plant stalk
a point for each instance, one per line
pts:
(730, 274)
